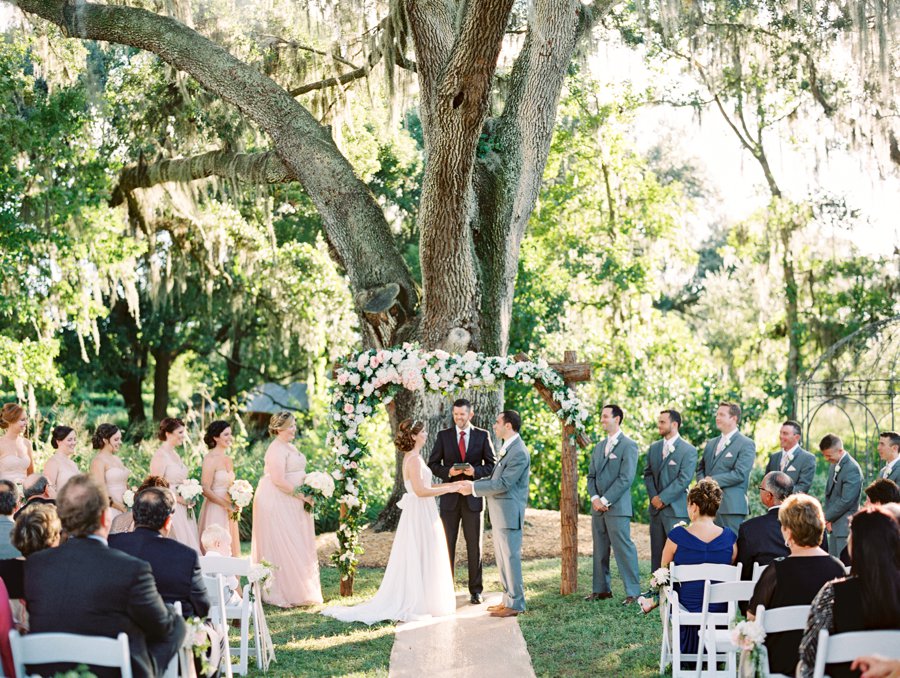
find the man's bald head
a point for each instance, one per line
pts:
(82, 505)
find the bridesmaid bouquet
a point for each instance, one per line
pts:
(316, 485)
(128, 497)
(241, 493)
(649, 600)
(189, 490)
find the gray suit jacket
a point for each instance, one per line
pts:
(842, 495)
(507, 488)
(670, 478)
(893, 475)
(802, 468)
(611, 476)
(7, 550)
(731, 469)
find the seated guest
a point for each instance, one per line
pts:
(36, 490)
(37, 529)
(868, 599)
(882, 491)
(125, 522)
(176, 567)
(760, 539)
(216, 541)
(701, 542)
(83, 586)
(9, 498)
(876, 666)
(6, 625)
(796, 579)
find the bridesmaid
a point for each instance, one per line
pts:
(15, 449)
(108, 470)
(60, 467)
(283, 532)
(167, 463)
(216, 477)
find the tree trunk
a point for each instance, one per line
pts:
(131, 391)
(233, 365)
(161, 370)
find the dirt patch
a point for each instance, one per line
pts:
(540, 540)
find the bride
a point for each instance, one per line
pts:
(417, 582)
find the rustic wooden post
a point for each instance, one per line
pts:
(346, 584)
(572, 372)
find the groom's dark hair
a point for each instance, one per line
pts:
(462, 402)
(512, 418)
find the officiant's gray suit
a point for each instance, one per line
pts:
(801, 468)
(506, 491)
(668, 479)
(610, 477)
(731, 469)
(841, 500)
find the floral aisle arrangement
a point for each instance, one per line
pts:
(316, 486)
(241, 493)
(750, 637)
(374, 377)
(650, 599)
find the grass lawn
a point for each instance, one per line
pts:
(566, 636)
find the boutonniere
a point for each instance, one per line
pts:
(837, 469)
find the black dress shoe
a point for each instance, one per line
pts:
(476, 599)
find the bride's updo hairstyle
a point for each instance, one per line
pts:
(407, 431)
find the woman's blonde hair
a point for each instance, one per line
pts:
(279, 422)
(10, 413)
(803, 516)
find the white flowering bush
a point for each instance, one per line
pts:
(374, 377)
(190, 490)
(241, 493)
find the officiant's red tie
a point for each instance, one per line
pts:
(462, 445)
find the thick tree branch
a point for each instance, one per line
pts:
(254, 168)
(433, 31)
(355, 227)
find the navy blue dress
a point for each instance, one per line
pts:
(694, 551)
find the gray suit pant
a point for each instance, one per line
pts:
(732, 520)
(836, 545)
(614, 532)
(508, 552)
(660, 526)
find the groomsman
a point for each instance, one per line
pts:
(463, 452)
(613, 467)
(841, 492)
(792, 459)
(889, 451)
(670, 467)
(728, 459)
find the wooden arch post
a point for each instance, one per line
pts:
(572, 372)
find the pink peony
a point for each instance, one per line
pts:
(348, 408)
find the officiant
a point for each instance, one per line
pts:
(463, 452)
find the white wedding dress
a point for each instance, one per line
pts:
(417, 582)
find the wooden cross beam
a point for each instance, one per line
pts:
(572, 372)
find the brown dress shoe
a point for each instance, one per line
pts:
(506, 612)
(629, 600)
(599, 596)
(494, 608)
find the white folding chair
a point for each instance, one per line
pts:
(242, 610)
(675, 615)
(845, 647)
(715, 641)
(757, 572)
(51, 648)
(781, 619)
(215, 586)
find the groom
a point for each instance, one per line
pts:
(507, 494)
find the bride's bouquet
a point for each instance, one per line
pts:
(190, 490)
(316, 485)
(241, 493)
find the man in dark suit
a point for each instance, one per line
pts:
(671, 463)
(85, 587)
(728, 459)
(463, 444)
(176, 567)
(792, 459)
(760, 539)
(35, 490)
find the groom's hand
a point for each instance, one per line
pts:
(465, 487)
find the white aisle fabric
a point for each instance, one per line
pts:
(417, 583)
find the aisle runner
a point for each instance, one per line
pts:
(471, 644)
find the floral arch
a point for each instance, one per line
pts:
(373, 377)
